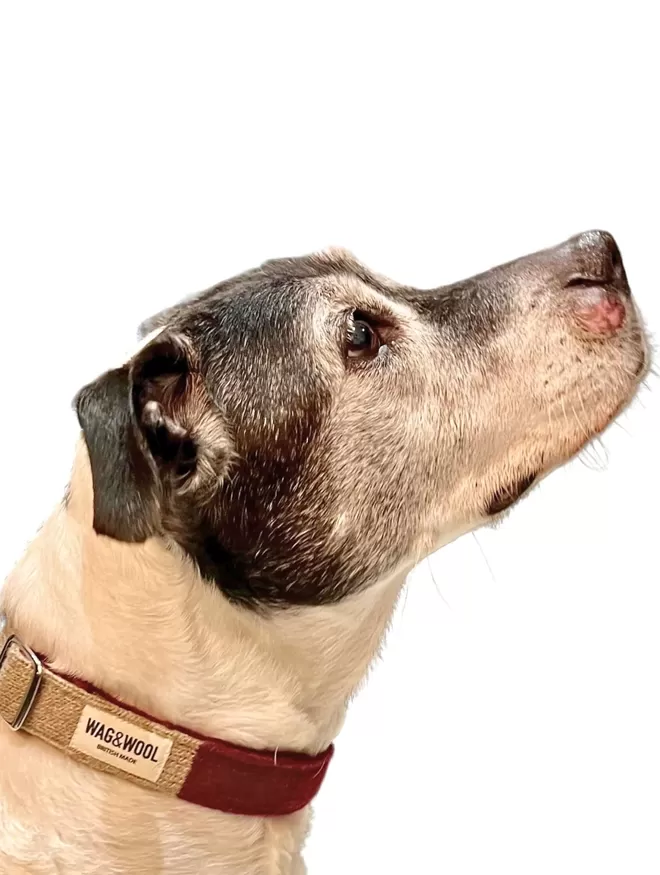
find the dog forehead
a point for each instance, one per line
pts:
(281, 287)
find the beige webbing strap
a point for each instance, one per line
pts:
(89, 728)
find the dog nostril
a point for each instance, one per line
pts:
(585, 281)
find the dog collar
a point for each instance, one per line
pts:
(96, 729)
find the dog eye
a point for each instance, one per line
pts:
(363, 341)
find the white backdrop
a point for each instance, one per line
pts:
(150, 149)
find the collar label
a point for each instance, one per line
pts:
(118, 743)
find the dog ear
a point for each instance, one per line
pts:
(124, 481)
(146, 426)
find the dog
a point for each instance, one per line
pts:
(248, 495)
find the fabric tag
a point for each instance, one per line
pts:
(121, 744)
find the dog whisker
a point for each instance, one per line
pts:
(405, 597)
(435, 583)
(583, 429)
(622, 427)
(485, 558)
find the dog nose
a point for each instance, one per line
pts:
(594, 256)
(596, 282)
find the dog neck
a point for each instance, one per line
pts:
(138, 622)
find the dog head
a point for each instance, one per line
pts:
(307, 427)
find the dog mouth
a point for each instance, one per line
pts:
(503, 498)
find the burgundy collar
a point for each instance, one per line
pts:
(96, 729)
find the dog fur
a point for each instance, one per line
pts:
(249, 494)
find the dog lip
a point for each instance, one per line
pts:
(503, 498)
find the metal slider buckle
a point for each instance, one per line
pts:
(33, 689)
